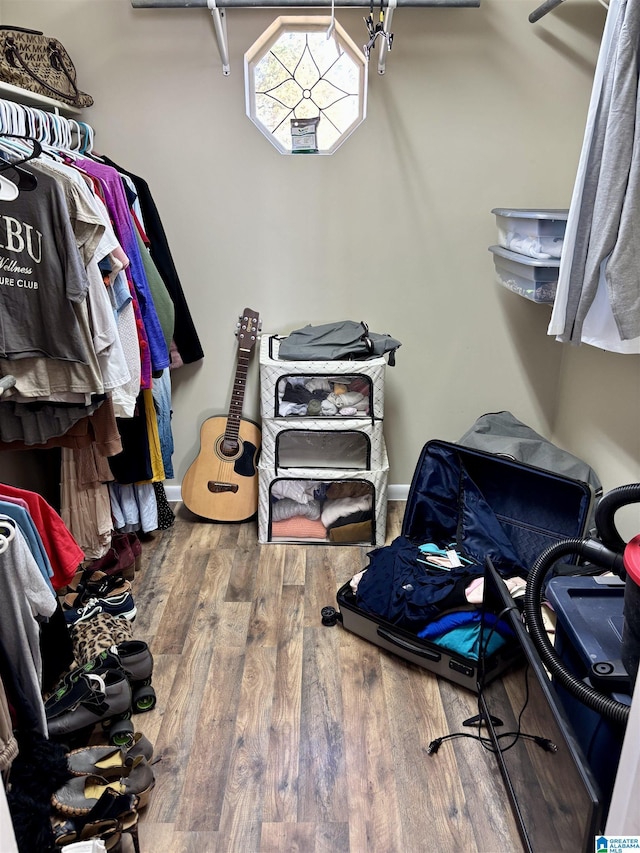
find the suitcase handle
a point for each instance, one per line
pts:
(408, 646)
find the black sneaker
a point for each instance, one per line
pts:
(117, 605)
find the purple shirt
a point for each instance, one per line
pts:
(117, 205)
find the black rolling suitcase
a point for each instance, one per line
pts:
(472, 504)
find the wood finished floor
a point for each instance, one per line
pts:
(275, 733)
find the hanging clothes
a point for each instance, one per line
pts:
(185, 334)
(161, 298)
(124, 396)
(63, 552)
(118, 207)
(598, 295)
(42, 276)
(84, 499)
(24, 523)
(25, 598)
(134, 507)
(85, 389)
(162, 402)
(8, 742)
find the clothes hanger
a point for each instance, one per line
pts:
(332, 22)
(66, 139)
(376, 30)
(49, 133)
(50, 128)
(75, 131)
(9, 523)
(26, 152)
(87, 143)
(61, 131)
(8, 190)
(7, 532)
(13, 118)
(6, 382)
(15, 129)
(26, 181)
(39, 125)
(8, 117)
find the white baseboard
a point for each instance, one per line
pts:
(173, 493)
(395, 493)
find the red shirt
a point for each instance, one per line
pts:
(65, 555)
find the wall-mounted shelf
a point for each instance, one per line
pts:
(23, 96)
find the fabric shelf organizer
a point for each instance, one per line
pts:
(323, 469)
(319, 389)
(322, 443)
(340, 506)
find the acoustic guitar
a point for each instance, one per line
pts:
(221, 484)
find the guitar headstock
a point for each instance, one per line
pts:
(248, 327)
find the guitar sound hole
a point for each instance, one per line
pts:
(229, 448)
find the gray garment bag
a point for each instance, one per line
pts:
(503, 434)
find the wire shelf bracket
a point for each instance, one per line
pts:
(217, 9)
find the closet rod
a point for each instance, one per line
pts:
(218, 12)
(264, 4)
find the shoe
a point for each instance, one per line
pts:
(128, 843)
(125, 542)
(135, 658)
(116, 605)
(105, 820)
(94, 582)
(127, 834)
(103, 586)
(91, 699)
(108, 761)
(117, 561)
(81, 794)
(66, 832)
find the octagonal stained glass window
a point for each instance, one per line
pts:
(306, 87)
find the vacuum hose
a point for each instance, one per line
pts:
(609, 504)
(610, 560)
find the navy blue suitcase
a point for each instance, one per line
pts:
(483, 505)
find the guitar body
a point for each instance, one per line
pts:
(221, 484)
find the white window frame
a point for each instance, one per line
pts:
(304, 24)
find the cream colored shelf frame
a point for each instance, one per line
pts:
(30, 99)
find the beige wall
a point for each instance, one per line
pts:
(478, 109)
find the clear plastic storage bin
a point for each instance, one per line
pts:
(534, 279)
(536, 233)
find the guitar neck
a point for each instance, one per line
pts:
(237, 395)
